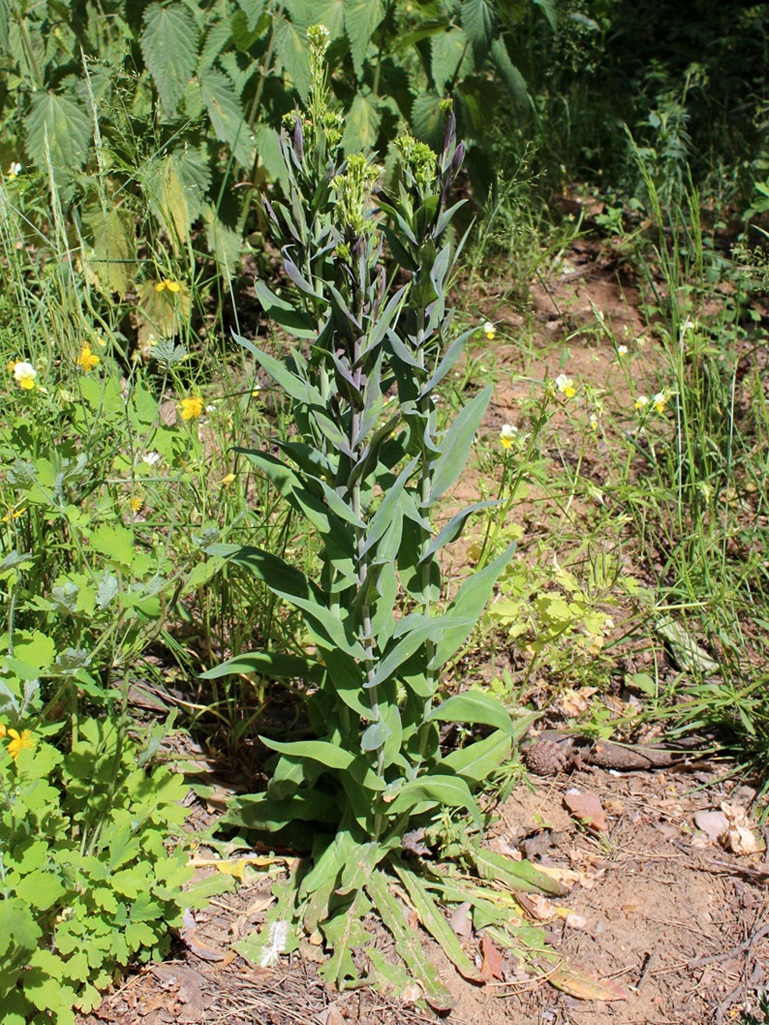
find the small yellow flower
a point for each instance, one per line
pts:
(136, 503)
(171, 286)
(14, 170)
(13, 515)
(228, 479)
(641, 402)
(594, 422)
(192, 407)
(622, 350)
(20, 742)
(507, 435)
(489, 330)
(3, 730)
(565, 386)
(25, 374)
(659, 401)
(87, 360)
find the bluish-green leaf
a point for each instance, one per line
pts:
(469, 604)
(479, 759)
(474, 706)
(169, 44)
(450, 791)
(454, 527)
(266, 663)
(456, 445)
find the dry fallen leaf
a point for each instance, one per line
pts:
(741, 840)
(461, 922)
(712, 823)
(538, 907)
(493, 965)
(587, 807)
(586, 985)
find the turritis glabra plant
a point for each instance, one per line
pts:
(367, 466)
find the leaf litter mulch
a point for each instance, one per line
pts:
(667, 918)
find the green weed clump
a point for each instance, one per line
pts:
(88, 884)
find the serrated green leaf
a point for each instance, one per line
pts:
(18, 927)
(361, 19)
(450, 55)
(253, 10)
(227, 116)
(428, 119)
(456, 445)
(510, 75)
(291, 47)
(479, 21)
(169, 44)
(58, 127)
(344, 934)
(362, 122)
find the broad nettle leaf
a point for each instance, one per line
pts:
(479, 21)
(169, 44)
(58, 128)
(227, 117)
(361, 124)
(449, 57)
(361, 18)
(291, 47)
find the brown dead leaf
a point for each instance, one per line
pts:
(586, 985)
(587, 807)
(461, 921)
(188, 934)
(493, 965)
(539, 907)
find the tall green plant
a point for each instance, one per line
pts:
(367, 466)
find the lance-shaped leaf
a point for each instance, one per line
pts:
(262, 813)
(296, 323)
(469, 603)
(474, 706)
(287, 582)
(266, 663)
(419, 632)
(435, 923)
(451, 356)
(436, 789)
(517, 875)
(456, 445)
(478, 760)
(454, 528)
(407, 942)
(331, 756)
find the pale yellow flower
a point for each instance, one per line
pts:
(165, 284)
(20, 742)
(192, 407)
(25, 374)
(14, 170)
(565, 386)
(641, 402)
(87, 360)
(507, 435)
(489, 330)
(228, 479)
(659, 401)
